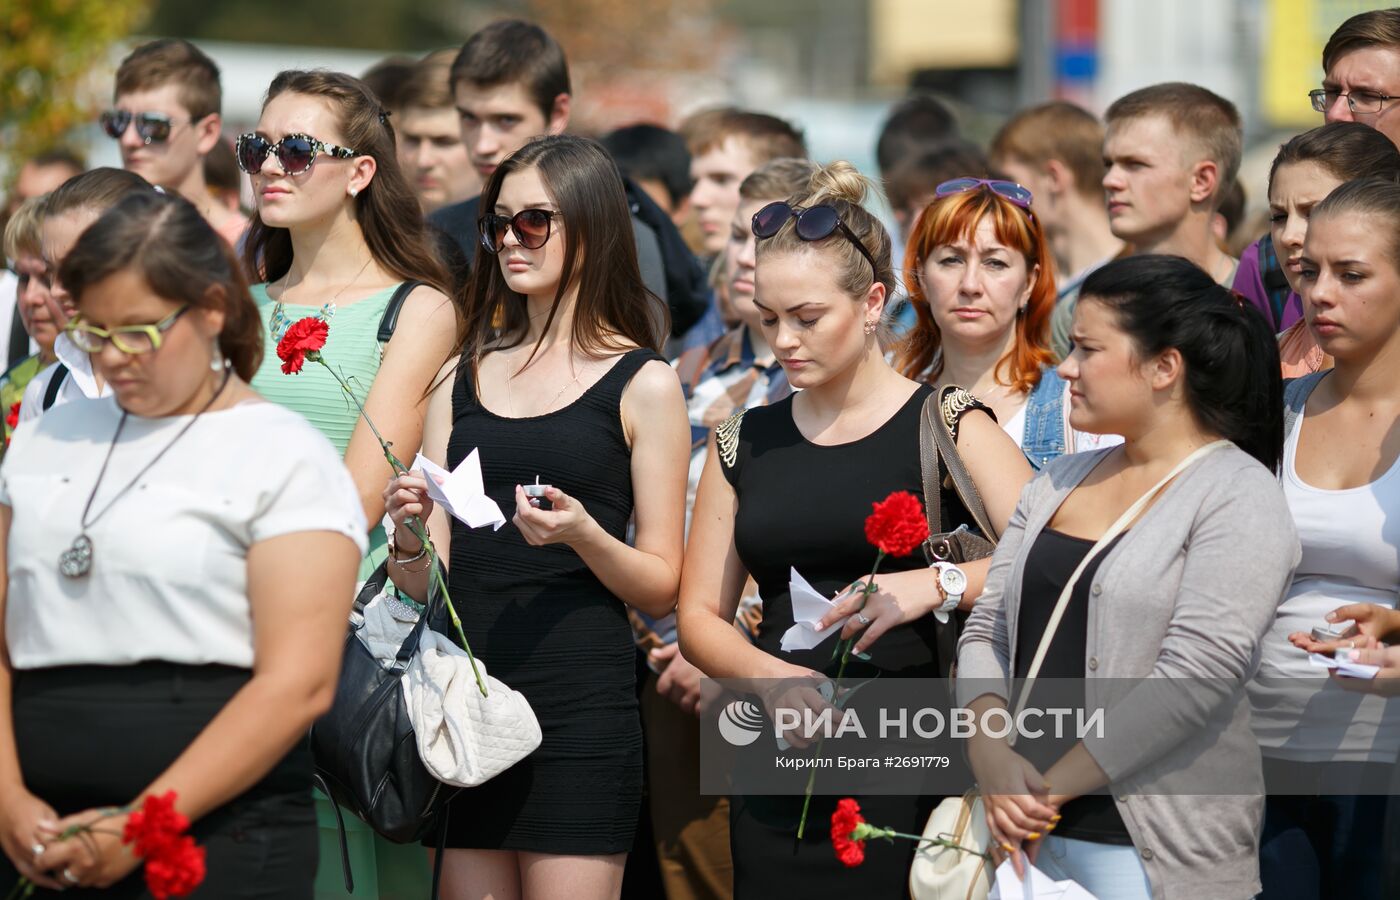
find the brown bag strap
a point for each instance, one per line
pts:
(937, 449)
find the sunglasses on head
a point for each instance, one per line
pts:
(295, 153)
(1008, 190)
(153, 127)
(814, 223)
(530, 226)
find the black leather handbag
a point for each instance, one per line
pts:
(365, 752)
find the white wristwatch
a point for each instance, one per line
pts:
(953, 581)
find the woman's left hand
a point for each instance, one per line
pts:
(567, 523)
(94, 858)
(899, 597)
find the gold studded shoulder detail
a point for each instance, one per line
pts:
(727, 438)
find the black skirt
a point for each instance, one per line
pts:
(93, 736)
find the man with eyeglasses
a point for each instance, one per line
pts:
(1362, 66)
(166, 118)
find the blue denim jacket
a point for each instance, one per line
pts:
(1044, 435)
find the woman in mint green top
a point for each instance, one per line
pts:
(336, 230)
(354, 350)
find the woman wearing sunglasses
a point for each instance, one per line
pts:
(559, 383)
(788, 486)
(179, 561)
(335, 234)
(981, 280)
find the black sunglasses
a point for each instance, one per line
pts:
(295, 152)
(814, 223)
(153, 127)
(531, 227)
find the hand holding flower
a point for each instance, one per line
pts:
(26, 822)
(898, 598)
(405, 499)
(93, 855)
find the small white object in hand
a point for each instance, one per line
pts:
(808, 607)
(462, 492)
(1343, 665)
(1036, 886)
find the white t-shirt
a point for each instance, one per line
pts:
(169, 574)
(1351, 554)
(77, 384)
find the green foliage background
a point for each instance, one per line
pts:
(47, 49)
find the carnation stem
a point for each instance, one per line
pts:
(865, 592)
(414, 525)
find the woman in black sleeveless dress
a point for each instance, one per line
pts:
(790, 486)
(558, 381)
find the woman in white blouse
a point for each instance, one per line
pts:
(179, 560)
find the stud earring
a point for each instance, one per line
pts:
(354, 192)
(870, 327)
(216, 359)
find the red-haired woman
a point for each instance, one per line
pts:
(982, 285)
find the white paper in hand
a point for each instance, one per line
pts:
(1344, 666)
(1037, 886)
(808, 607)
(461, 492)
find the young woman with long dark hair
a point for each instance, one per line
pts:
(1188, 375)
(336, 231)
(559, 380)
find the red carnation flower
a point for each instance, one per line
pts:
(897, 526)
(844, 823)
(175, 871)
(12, 418)
(302, 341)
(155, 826)
(174, 862)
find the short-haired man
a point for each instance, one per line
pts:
(914, 125)
(1172, 150)
(1361, 62)
(431, 151)
(726, 145)
(657, 161)
(510, 82)
(166, 119)
(1056, 150)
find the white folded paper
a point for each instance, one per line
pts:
(1037, 886)
(808, 607)
(461, 492)
(1344, 666)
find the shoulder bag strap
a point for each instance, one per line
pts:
(60, 375)
(390, 320)
(1113, 531)
(928, 463)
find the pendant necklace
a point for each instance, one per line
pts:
(279, 322)
(76, 561)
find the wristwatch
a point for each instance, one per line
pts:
(953, 582)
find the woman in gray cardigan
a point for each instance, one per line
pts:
(1175, 364)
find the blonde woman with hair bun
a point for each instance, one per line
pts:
(822, 279)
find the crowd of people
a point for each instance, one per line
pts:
(687, 361)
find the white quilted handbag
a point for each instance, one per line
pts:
(464, 739)
(943, 873)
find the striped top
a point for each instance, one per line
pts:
(353, 349)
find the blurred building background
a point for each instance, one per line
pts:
(832, 66)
